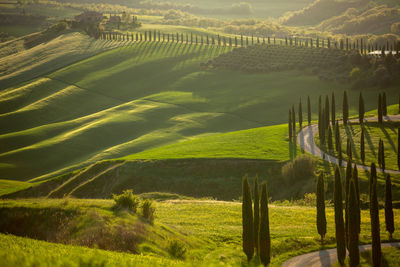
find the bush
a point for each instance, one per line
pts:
(126, 200)
(148, 210)
(300, 168)
(176, 249)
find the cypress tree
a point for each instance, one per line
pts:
(374, 212)
(322, 125)
(384, 106)
(349, 151)
(398, 147)
(319, 108)
(321, 218)
(354, 253)
(347, 187)
(338, 142)
(362, 145)
(361, 109)
(339, 223)
(309, 111)
(330, 143)
(290, 125)
(333, 113)
(380, 153)
(327, 117)
(340, 156)
(383, 156)
(380, 115)
(247, 220)
(300, 114)
(256, 214)
(356, 183)
(265, 239)
(345, 108)
(389, 219)
(294, 122)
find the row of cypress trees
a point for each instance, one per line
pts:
(256, 234)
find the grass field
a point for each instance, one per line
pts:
(213, 228)
(79, 112)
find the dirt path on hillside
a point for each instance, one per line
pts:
(306, 140)
(326, 258)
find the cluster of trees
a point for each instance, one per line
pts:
(255, 222)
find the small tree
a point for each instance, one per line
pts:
(345, 108)
(247, 220)
(374, 213)
(381, 155)
(148, 210)
(256, 215)
(339, 223)
(309, 110)
(380, 114)
(333, 113)
(265, 239)
(361, 109)
(384, 106)
(300, 114)
(389, 219)
(354, 253)
(362, 145)
(321, 218)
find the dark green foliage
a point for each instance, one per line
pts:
(349, 150)
(356, 183)
(322, 133)
(326, 118)
(389, 219)
(347, 187)
(398, 147)
(330, 143)
(380, 113)
(345, 108)
(381, 155)
(384, 106)
(333, 113)
(265, 239)
(176, 249)
(294, 122)
(148, 210)
(354, 253)
(309, 110)
(339, 223)
(256, 214)
(321, 218)
(340, 157)
(290, 126)
(361, 109)
(300, 114)
(247, 220)
(338, 142)
(374, 212)
(319, 109)
(362, 145)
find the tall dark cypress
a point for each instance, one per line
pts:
(339, 223)
(319, 107)
(300, 114)
(384, 106)
(356, 183)
(321, 218)
(361, 108)
(346, 190)
(340, 158)
(256, 214)
(327, 117)
(333, 113)
(294, 122)
(380, 154)
(362, 145)
(322, 126)
(380, 114)
(309, 110)
(290, 126)
(354, 253)
(398, 147)
(330, 143)
(264, 239)
(338, 142)
(389, 219)
(345, 108)
(374, 213)
(247, 220)
(349, 149)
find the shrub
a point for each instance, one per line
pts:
(176, 249)
(148, 210)
(126, 200)
(300, 168)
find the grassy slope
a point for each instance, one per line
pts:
(79, 114)
(217, 225)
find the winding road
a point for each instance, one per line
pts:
(306, 136)
(325, 258)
